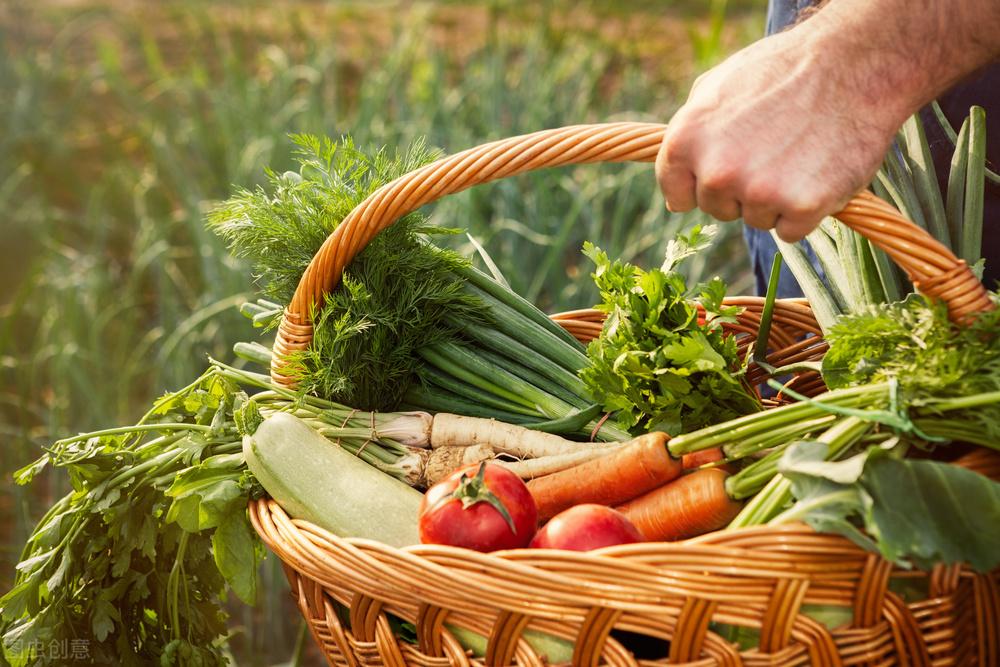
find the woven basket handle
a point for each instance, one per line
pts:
(929, 265)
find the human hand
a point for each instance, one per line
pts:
(780, 134)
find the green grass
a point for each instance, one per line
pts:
(121, 125)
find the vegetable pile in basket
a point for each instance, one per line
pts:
(426, 374)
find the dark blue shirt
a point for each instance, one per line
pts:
(982, 88)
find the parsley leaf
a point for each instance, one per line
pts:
(657, 364)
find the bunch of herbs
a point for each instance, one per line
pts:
(939, 367)
(658, 363)
(134, 561)
(398, 294)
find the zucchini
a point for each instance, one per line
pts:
(314, 480)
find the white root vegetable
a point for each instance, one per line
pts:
(450, 430)
(410, 429)
(546, 465)
(445, 460)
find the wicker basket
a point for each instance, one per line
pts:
(757, 578)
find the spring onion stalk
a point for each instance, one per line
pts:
(476, 370)
(836, 278)
(437, 381)
(462, 363)
(777, 494)
(950, 133)
(896, 180)
(955, 207)
(888, 275)
(764, 334)
(902, 179)
(848, 250)
(921, 165)
(972, 231)
(871, 282)
(894, 282)
(511, 322)
(823, 304)
(537, 379)
(419, 397)
(517, 303)
(498, 342)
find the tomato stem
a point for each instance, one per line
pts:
(473, 490)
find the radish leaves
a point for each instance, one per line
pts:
(916, 511)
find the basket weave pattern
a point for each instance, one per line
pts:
(762, 578)
(757, 577)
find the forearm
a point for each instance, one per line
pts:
(785, 131)
(901, 54)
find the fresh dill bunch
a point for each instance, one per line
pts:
(914, 343)
(279, 228)
(398, 294)
(396, 297)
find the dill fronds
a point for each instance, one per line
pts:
(398, 294)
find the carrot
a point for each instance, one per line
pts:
(698, 459)
(984, 461)
(629, 471)
(694, 504)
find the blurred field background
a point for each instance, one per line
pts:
(122, 122)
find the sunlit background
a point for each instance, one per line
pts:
(122, 122)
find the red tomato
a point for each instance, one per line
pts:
(467, 509)
(586, 527)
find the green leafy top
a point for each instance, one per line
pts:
(655, 362)
(933, 361)
(134, 561)
(911, 510)
(398, 294)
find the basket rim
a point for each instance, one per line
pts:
(933, 268)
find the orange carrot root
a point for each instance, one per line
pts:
(698, 459)
(628, 472)
(984, 461)
(696, 503)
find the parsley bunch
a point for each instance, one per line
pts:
(656, 364)
(134, 562)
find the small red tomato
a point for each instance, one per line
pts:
(586, 527)
(488, 510)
